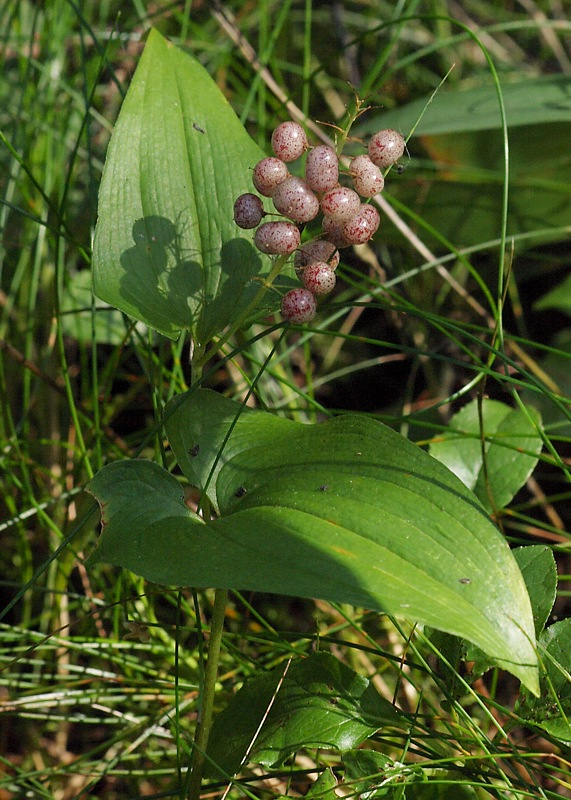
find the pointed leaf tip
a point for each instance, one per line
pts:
(166, 248)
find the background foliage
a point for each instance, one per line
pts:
(100, 670)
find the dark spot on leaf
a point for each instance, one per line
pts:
(194, 451)
(324, 487)
(198, 128)
(240, 491)
(465, 580)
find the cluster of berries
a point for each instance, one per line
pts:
(347, 220)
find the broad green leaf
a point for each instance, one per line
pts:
(512, 446)
(465, 174)
(552, 709)
(462, 179)
(346, 510)
(166, 249)
(531, 102)
(539, 572)
(312, 702)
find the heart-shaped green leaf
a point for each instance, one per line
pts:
(312, 702)
(512, 446)
(324, 787)
(347, 510)
(166, 249)
(366, 773)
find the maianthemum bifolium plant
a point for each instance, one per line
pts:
(346, 509)
(293, 580)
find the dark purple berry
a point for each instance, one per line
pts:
(248, 211)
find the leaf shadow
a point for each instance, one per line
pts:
(172, 288)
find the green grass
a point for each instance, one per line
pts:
(100, 671)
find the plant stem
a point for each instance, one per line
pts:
(266, 285)
(208, 691)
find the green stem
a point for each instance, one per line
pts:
(267, 284)
(208, 691)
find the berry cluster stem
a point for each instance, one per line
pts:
(352, 116)
(277, 267)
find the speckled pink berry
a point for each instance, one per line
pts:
(268, 174)
(333, 231)
(294, 199)
(321, 168)
(298, 306)
(248, 211)
(367, 178)
(386, 147)
(363, 225)
(277, 238)
(289, 141)
(317, 250)
(319, 278)
(340, 203)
